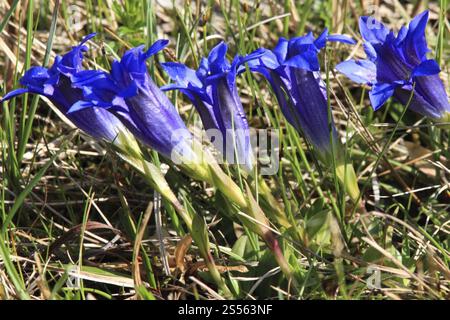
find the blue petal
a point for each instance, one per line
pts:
(306, 40)
(79, 105)
(360, 71)
(370, 51)
(133, 60)
(268, 60)
(430, 98)
(380, 93)
(281, 50)
(118, 73)
(301, 45)
(307, 109)
(189, 83)
(13, 94)
(191, 94)
(426, 68)
(138, 102)
(415, 42)
(129, 91)
(181, 74)
(401, 35)
(173, 86)
(48, 90)
(341, 38)
(156, 47)
(321, 40)
(418, 103)
(307, 61)
(87, 76)
(238, 64)
(71, 61)
(217, 59)
(35, 76)
(232, 120)
(391, 63)
(203, 69)
(87, 38)
(53, 80)
(372, 30)
(98, 87)
(258, 53)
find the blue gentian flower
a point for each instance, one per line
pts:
(292, 69)
(56, 83)
(398, 65)
(212, 90)
(130, 94)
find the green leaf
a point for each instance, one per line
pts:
(18, 203)
(200, 234)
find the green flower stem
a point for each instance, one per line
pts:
(445, 119)
(208, 170)
(199, 233)
(128, 149)
(277, 209)
(345, 172)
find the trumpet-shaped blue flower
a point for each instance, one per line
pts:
(292, 69)
(212, 90)
(130, 94)
(56, 83)
(398, 65)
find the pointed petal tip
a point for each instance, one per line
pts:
(220, 48)
(372, 30)
(423, 14)
(13, 94)
(341, 38)
(426, 68)
(78, 106)
(360, 71)
(156, 47)
(380, 93)
(87, 38)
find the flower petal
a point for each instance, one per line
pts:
(341, 38)
(267, 61)
(372, 30)
(415, 42)
(156, 47)
(380, 93)
(308, 109)
(307, 61)
(281, 49)
(432, 90)
(79, 105)
(35, 76)
(321, 40)
(238, 64)
(13, 94)
(360, 71)
(87, 38)
(426, 68)
(181, 74)
(217, 58)
(71, 61)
